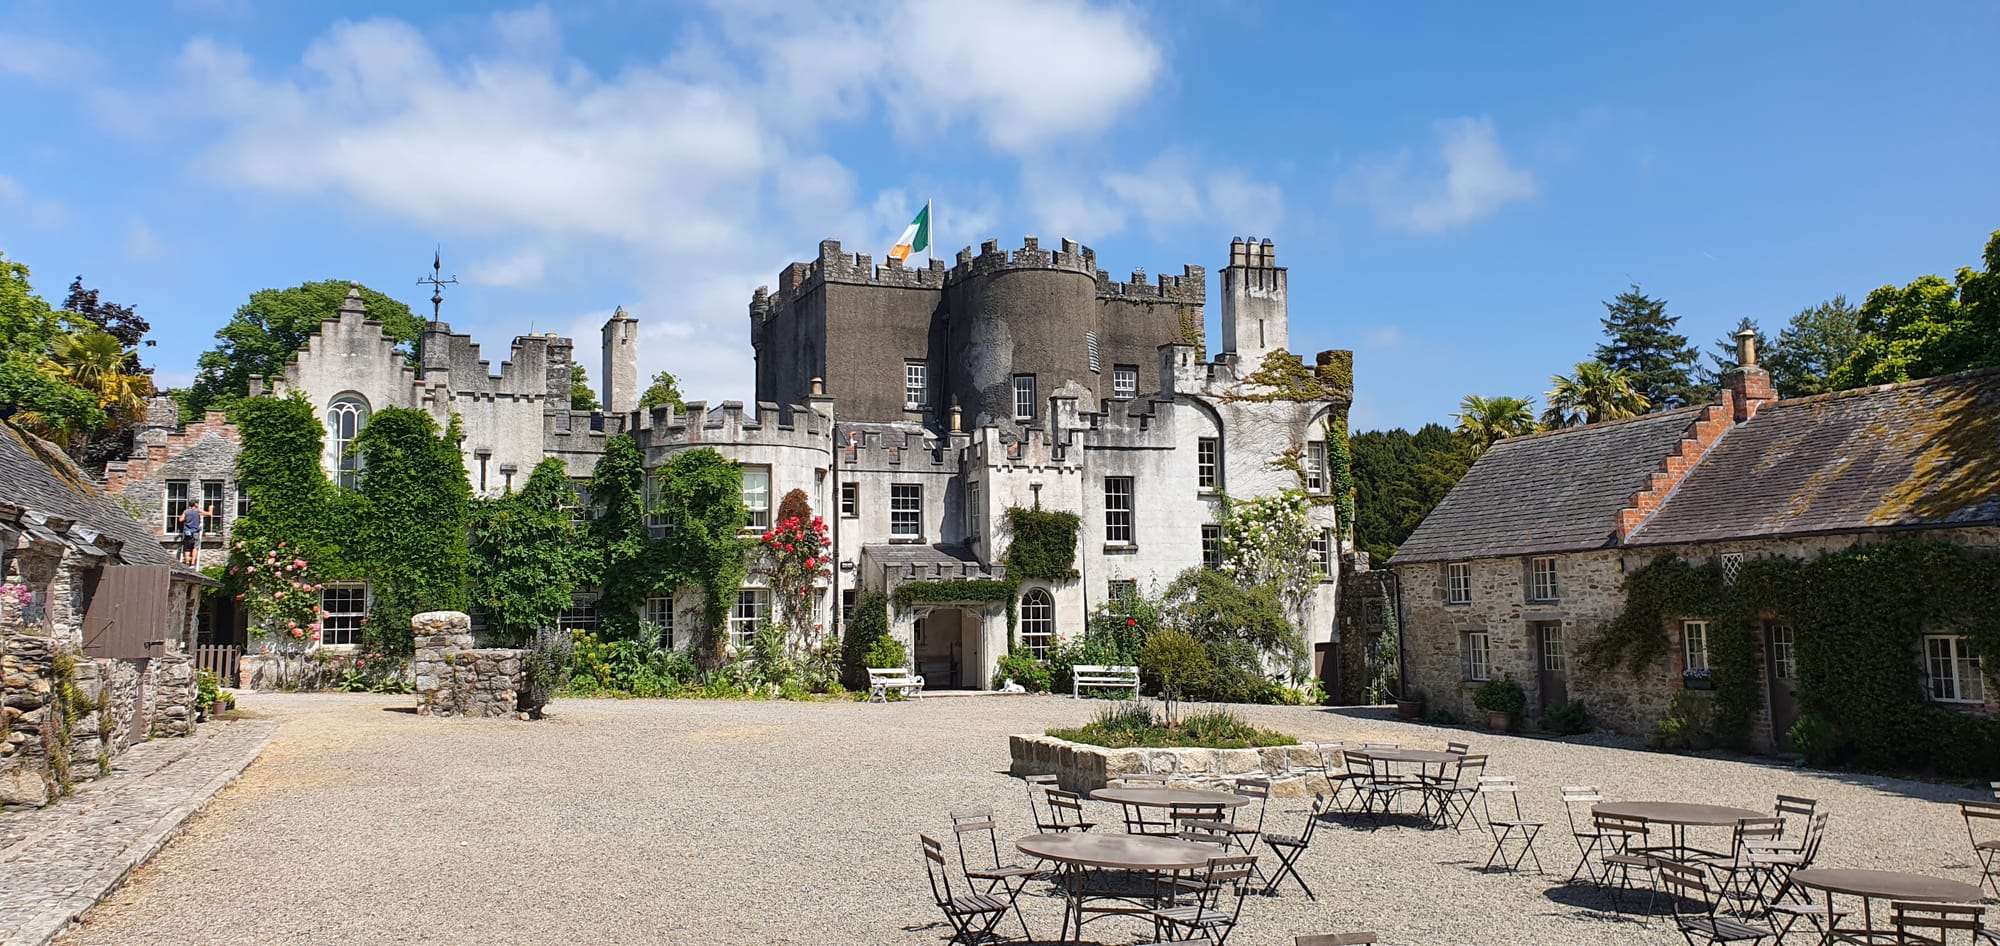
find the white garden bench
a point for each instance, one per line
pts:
(1101, 675)
(883, 679)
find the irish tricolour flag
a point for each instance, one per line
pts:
(917, 236)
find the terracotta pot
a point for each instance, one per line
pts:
(1500, 722)
(1409, 709)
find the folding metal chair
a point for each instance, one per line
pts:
(972, 915)
(1616, 852)
(1066, 812)
(1740, 876)
(1340, 774)
(1775, 865)
(1512, 828)
(1457, 748)
(1205, 914)
(1937, 921)
(1691, 882)
(1589, 839)
(1986, 815)
(1454, 795)
(996, 875)
(1290, 847)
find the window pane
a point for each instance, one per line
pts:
(906, 511)
(1206, 452)
(1118, 509)
(850, 500)
(1038, 622)
(1211, 546)
(177, 503)
(1316, 466)
(1695, 635)
(342, 610)
(915, 390)
(1124, 381)
(1322, 551)
(757, 496)
(1024, 397)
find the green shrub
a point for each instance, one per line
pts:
(206, 689)
(1815, 739)
(1177, 662)
(869, 621)
(1567, 719)
(1444, 717)
(1501, 696)
(886, 651)
(1686, 726)
(545, 668)
(1132, 725)
(1025, 669)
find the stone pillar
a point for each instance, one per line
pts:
(25, 696)
(440, 637)
(174, 694)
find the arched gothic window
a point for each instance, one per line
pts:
(1038, 622)
(345, 416)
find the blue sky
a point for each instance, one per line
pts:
(1454, 187)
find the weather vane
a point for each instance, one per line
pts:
(437, 282)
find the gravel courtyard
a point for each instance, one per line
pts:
(709, 822)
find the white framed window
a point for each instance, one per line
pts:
(752, 604)
(345, 416)
(1784, 651)
(1038, 622)
(850, 500)
(906, 511)
(1694, 644)
(177, 501)
(1542, 579)
(1458, 583)
(1024, 397)
(1118, 510)
(1122, 588)
(660, 614)
(1474, 656)
(1554, 657)
(242, 501)
(658, 522)
(211, 507)
(1124, 380)
(583, 508)
(757, 495)
(972, 512)
(581, 615)
(916, 385)
(1316, 466)
(1211, 545)
(1951, 671)
(1322, 553)
(342, 608)
(1732, 565)
(1207, 462)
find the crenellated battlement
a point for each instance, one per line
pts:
(836, 265)
(1190, 287)
(1071, 257)
(1034, 450)
(728, 424)
(563, 427)
(878, 447)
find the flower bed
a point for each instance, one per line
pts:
(1084, 767)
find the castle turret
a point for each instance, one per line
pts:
(1254, 313)
(621, 363)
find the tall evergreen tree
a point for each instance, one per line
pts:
(1811, 347)
(1398, 478)
(1642, 341)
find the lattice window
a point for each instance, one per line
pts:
(1316, 466)
(1322, 552)
(177, 501)
(1732, 565)
(1554, 657)
(1038, 622)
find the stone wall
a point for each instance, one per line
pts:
(25, 695)
(173, 695)
(456, 679)
(1082, 768)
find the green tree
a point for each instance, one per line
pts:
(1244, 627)
(526, 559)
(665, 390)
(701, 493)
(1929, 327)
(1811, 347)
(1642, 341)
(622, 557)
(414, 515)
(1722, 356)
(581, 398)
(1399, 477)
(1178, 663)
(33, 391)
(275, 323)
(1486, 420)
(291, 499)
(118, 321)
(1591, 393)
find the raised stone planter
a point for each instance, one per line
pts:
(453, 678)
(1080, 767)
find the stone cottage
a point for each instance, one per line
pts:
(1524, 560)
(96, 612)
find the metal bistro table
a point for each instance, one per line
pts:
(1080, 852)
(1872, 885)
(1175, 800)
(1678, 816)
(1423, 759)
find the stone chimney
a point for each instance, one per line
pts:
(1748, 384)
(1254, 309)
(621, 363)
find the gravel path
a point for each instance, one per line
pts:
(709, 822)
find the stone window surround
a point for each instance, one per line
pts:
(1543, 585)
(175, 505)
(1455, 585)
(346, 414)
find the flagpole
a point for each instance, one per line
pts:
(930, 219)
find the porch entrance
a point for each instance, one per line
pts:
(947, 651)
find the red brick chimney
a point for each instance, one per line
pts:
(1749, 384)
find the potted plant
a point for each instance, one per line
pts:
(1503, 700)
(1697, 679)
(1410, 706)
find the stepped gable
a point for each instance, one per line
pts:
(48, 494)
(1913, 455)
(150, 458)
(1561, 491)
(1034, 451)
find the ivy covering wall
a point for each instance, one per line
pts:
(412, 523)
(1042, 545)
(527, 556)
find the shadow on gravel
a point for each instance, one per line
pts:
(1630, 908)
(405, 710)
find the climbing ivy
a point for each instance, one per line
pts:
(701, 493)
(526, 554)
(413, 518)
(1043, 545)
(1340, 471)
(1285, 377)
(959, 590)
(291, 499)
(622, 560)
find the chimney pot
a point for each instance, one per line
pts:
(819, 387)
(1746, 349)
(957, 420)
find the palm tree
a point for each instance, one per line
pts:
(1488, 419)
(1594, 391)
(96, 362)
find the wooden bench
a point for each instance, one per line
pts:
(883, 679)
(1100, 675)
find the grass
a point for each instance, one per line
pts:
(1132, 726)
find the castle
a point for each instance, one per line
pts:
(914, 407)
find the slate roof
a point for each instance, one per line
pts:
(41, 479)
(1554, 492)
(1912, 455)
(918, 562)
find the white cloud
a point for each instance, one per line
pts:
(1476, 181)
(140, 243)
(39, 212)
(521, 269)
(1381, 337)
(43, 59)
(9, 191)
(1172, 191)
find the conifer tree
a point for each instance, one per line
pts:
(1643, 342)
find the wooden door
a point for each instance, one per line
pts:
(1551, 662)
(1781, 672)
(127, 611)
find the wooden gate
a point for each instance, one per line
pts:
(128, 611)
(219, 659)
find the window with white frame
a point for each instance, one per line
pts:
(1458, 583)
(659, 617)
(1474, 657)
(242, 501)
(752, 604)
(972, 510)
(916, 385)
(1784, 655)
(1542, 579)
(658, 521)
(906, 511)
(581, 615)
(1207, 462)
(850, 500)
(1694, 645)
(1038, 622)
(211, 507)
(1024, 397)
(1322, 553)
(1118, 510)
(1951, 670)
(1211, 545)
(757, 495)
(1554, 657)
(582, 507)
(343, 609)
(345, 416)
(177, 504)
(1316, 466)
(1125, 381)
